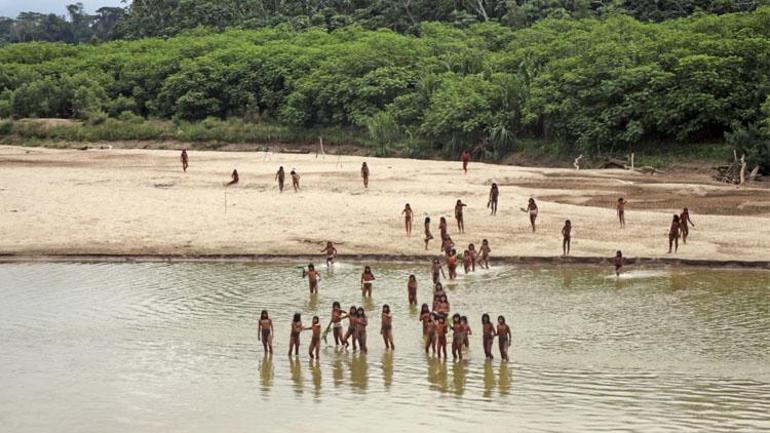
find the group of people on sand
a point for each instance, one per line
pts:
(679, 228)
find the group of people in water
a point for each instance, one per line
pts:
(435, 325)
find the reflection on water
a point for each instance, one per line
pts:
(143, 347)
(315, 371)
(359, 372)
(266, 372)
(387, 368)
(295, 367)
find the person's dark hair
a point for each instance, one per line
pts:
(424, 309)
(427, 219)
(335, 304)
(311, 267)
(361, 312)
(297, 317)
(315, 319)
(501, 319)
(386, 308)
(676, 218)
(263, 315)
(485, 318)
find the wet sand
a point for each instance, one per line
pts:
(101, 203)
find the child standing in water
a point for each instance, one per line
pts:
(532, 210)
(472, 251)
(280, 177)
(336, 322)
(185, 160)
(466, 261)
(673, 234)
(446, 244)
(618, 262)
(430, 332)
(365, 174)
(361, 323)
(294, 179)
(331, 253)
(451, 264)
(411, 288)
(407, 213)
(312, 277)
(424, 319)
(436, 270)
(366, 281)
(622, 212)
(485, 250)
(684, 220)
(387, 327)
(503, 337)
(441, 329)
(296, 328)
(566, 233)
(442, 306)
(494, 192)
(438, 292)
(459, 215)
(428, 235)
(315, 341)
(266, 332)
(352, 327)
(488, 335)
(468, 332)
(458, 337)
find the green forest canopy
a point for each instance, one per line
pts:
(595, 84)
(150, 18)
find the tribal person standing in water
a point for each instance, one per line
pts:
(566, 233)
(266, 332)
(312, 277)
(366, 281)
(331, 253)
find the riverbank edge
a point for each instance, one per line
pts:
(360, 258)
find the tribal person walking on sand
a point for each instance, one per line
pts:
(294, 179)
(684, 220)
(466, 158)
(280, 176)
(494, 193)
(185, 160)
(365, 174)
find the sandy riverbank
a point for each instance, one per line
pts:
(116, 202)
